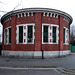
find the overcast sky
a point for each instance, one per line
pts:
(67, 6)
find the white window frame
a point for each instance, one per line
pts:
(6, 43)
(66, 29)
(42, 34)
(18, 34)
(53, 25)
(56, 34)
(17, 38)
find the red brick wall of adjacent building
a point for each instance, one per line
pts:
(37, 42)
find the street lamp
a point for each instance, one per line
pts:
(41, 39)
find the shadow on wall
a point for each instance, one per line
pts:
(0, 48)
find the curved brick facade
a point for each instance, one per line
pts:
(37, 18)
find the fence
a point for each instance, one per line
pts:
(72, 48)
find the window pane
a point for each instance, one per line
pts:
(45, 34)
(64, 35)
(20, 34)
(9, 35)
(54, 35)
(5, 36)
(30, 33)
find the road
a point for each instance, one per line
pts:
(67, 62)
(28, 72)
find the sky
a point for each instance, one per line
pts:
(67, 6)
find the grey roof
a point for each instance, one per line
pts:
(11, 13)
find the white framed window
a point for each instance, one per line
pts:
(50, 34)
(7, 36)
(54, 34)
(25, 34)
(66, 36)
(45, 33)
(20, 38)
(30, 34)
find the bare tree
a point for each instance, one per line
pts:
(19, 3)
(72, 34)
(3, 11)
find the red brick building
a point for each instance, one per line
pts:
(24, 28)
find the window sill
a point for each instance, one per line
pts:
(25, 43)
(49, 43)
(66, 44)
(8, 44)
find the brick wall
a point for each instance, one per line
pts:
(63, 24)
(36, 18)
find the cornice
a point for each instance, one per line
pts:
(34, 10)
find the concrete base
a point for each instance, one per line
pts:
(35, 54)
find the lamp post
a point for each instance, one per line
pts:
(0, 38)
(41, 39)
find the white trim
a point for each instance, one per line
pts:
(18, 15)
(51, 15)
(24, 14)
(35, 54)
(44, 14)
(26, 24)
(25, 37)
(47, 14)
(57, 16)
(31, 13)
(54, 15)
(16, 68)
(21, 15)
(28, 14)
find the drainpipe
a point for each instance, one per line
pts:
(41, 39)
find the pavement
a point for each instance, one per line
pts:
(53, 66)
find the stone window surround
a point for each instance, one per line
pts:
(7, 43)
(57, 32)
(66, 29)
(24, 37)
